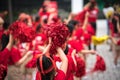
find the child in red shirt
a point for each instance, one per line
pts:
(4, 54)
(46, 65)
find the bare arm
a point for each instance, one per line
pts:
(118, 26)
(73, 56)
(23, 58)
(10, 43)
(88, 51)
(46, 50)
(85, 21)
(64, 60)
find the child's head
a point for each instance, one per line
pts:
(46, 67)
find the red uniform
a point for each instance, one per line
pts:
(75, 44)
(15, 56)
(93, 14)
(118, 42)
(71, 67)
(4, 56)
(39, 41)
(3, 63)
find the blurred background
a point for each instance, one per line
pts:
(15, 7)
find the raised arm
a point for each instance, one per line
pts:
(85, 21)
(64, 60)
(10, 43)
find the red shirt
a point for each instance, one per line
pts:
(4, 56)
(60, 75)
(15, 56)
(76, 44)
(118, 42)
(93, 15)
(3, 63)
(70, 69)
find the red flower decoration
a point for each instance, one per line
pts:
(21, 31)
(58, 32)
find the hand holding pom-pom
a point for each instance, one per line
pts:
(21, 31)
(58, 32)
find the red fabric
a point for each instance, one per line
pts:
(87, 38)
(79, 33)
(1, 32)
(38, 76)
(60, 75)
(118, 42)
(93, 14)
(100, 64)
(80, 16)
(4, 56)
(3, 63)
(90, 30)
(70, 69)
(15, 56)
(76, 44)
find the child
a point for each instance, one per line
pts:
(46, 65)
(4, 54)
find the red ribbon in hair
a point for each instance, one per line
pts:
(38, 75)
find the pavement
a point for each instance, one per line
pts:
(112, 72)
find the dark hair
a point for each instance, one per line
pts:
(37, 18)
(66, 50)
(38, 28)
(4, 41)
(74, 22)
(5, 25)
(71, 25)
(46, 64)
(92, 5)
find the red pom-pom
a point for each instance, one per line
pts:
(80, 70)
(58, 32)
(21, 31)
(100, 64)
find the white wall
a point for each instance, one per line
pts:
(76, 5)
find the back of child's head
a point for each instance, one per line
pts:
(46, 67)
